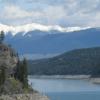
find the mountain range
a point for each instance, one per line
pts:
(41, 39)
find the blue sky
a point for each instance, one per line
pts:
(51, 12)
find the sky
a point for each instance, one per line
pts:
(67, 13)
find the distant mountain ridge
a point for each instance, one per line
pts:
(34, 26)
(39, 40)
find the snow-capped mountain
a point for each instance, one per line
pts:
(41, 39)
(34, 26)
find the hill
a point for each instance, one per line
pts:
(75, 62)
(13, 76)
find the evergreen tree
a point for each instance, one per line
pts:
(24, 73)
(18, 70)
(2, 36)
(2, 76)
(96, 69)
(21, 72)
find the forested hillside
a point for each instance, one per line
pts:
(80, 61)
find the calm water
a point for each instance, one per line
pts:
(61, 89)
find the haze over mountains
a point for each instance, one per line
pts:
(40, 39)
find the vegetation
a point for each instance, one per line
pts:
(21, 72)
(14, 82)
(13, 73)
(2, 36)
(75, 62)
(2, 76)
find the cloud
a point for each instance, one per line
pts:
(50, 12)
(49, 15)
(95, 21)
(15, 12)
(53, 14)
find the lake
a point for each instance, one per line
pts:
(66, 89)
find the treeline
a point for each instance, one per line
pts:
(22, 73)
(75, 62)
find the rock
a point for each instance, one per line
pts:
(8, 59)
(95, 80)
(33, 96)
(12, 86)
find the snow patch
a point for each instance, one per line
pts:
(34, 26)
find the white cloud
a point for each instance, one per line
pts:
(54, 13)
(15, 12)
(95, 20)
(51, 12)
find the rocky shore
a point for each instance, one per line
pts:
(34, 96)
(95, 80)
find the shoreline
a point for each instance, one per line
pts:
(60, 76)
(32, 96)
(68, 77)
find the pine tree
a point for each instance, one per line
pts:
(2, 36)
(25, 73)
(18, 70)
(2, 76)
(21, 72)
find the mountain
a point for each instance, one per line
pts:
(75, 62)
(34, 26)
(41, 39)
